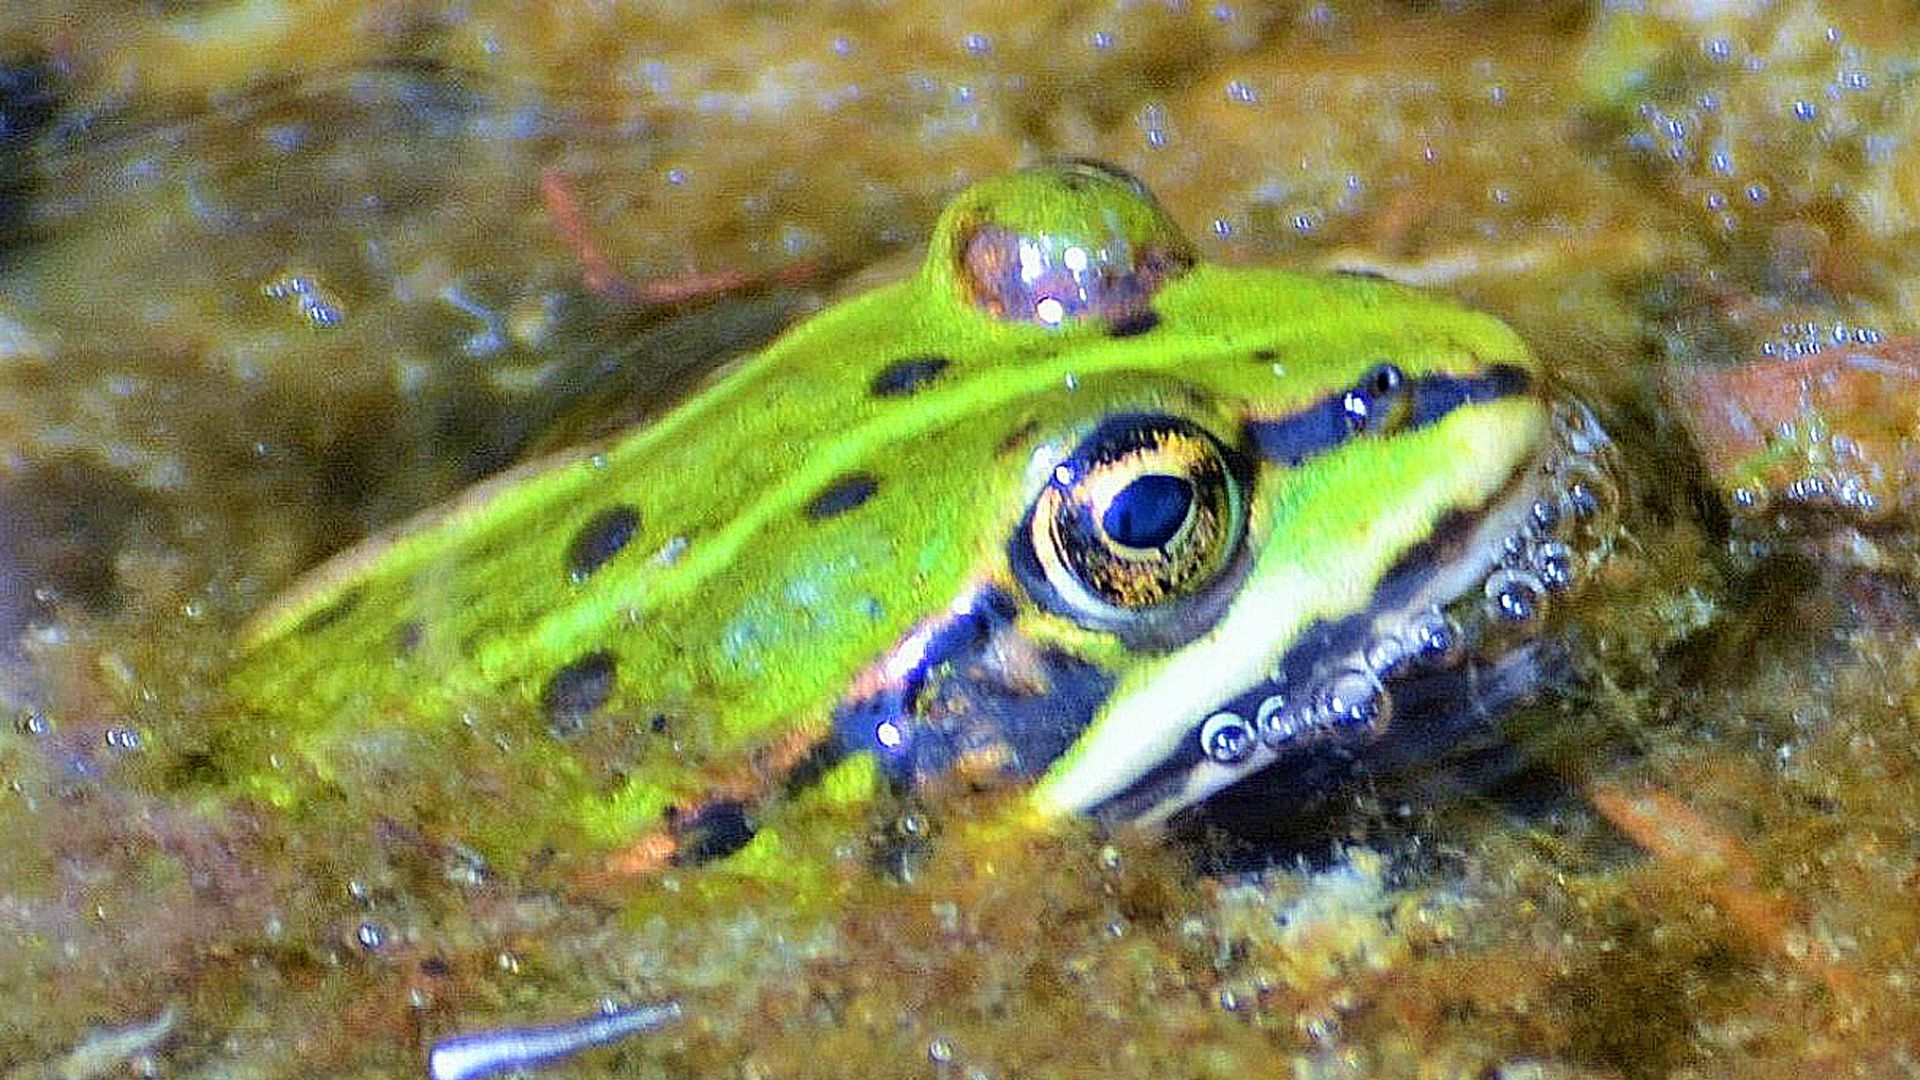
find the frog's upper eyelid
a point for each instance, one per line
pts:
(1328, 422)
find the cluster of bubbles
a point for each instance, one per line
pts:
(1754, 121)
(1835, 471)
(1567, 529)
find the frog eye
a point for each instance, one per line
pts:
(1146, 513)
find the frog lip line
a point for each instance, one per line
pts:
(1483, 598)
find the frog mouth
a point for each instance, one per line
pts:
(1453, 637)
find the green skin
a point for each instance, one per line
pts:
(747, 620)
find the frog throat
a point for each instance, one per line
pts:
(969, 692)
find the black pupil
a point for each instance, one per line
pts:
(1148, 512)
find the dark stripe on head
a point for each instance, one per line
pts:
(1434, 396)
(907, 376)
(844, 494)
(1328, 423)
(813, 766)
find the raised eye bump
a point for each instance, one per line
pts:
(1060, 244)
(1146, 513)
(1228, 739)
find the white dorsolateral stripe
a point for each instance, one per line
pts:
(490, 1053)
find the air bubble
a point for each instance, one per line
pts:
(1590, 493)
(1545, 515)
(1436, 638)
(1227, 739)
(1355, 699)
(1275, 724)
(122, 738)
(1154, 127)
(1515, 550)
(1576, 427)
(1553, 562)
(1515, 596)
(1386, 655)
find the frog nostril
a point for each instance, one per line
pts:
(1378, 402)
(1149, 512)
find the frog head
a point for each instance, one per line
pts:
(1069, 508)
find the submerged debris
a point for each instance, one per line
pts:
(504, 1050)
(1831, 430)
(103, 1050)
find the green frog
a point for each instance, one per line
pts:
(1068, 511)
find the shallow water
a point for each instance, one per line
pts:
(273, 275)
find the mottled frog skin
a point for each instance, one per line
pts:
(1068, 510)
